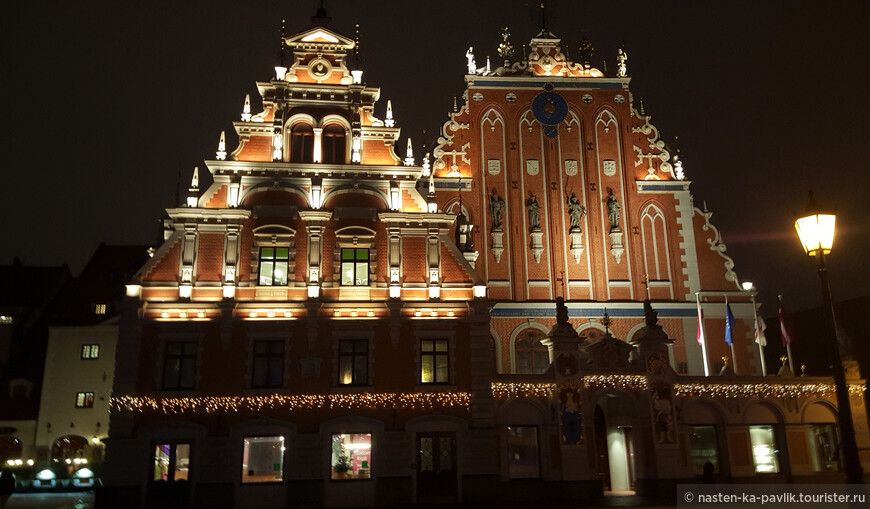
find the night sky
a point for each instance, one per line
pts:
(106, 102)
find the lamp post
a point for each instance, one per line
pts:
(816, 231)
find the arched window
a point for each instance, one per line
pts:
(301, 144)
(532, 356)
(334, 144)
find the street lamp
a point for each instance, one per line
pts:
(816, 231)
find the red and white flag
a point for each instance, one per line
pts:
(760, 327)
(786, 337)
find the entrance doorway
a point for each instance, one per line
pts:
(614, 446)
(436, 467)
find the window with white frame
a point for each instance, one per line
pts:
(84, 400)
(273, 266)
(263, 460)
(334, 144)
(354, 267)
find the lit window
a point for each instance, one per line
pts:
(353, 361)
(99, 309)
(90, 352)
(268, 369)
(301, 144)
(171, 462)
(334, 144)
(273, 266)
(84, 400)
(765, 454)
(351, 456)
(179, 368)
(533, 358)
(703, 446)
(823, 448)
(263, 460)
(355, 267)
(434, 361)
(522, 449)
(5, 320)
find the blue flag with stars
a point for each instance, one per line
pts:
(729, 324)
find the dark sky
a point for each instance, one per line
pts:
(106, 102)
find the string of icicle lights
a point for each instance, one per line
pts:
(211, 404)
(763, 390)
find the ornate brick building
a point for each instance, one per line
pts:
(331, 324)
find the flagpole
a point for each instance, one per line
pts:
(703, 335)
(733, 354)
(788, 342)
(760, 346)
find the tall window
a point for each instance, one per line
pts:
(263, 460)
(823, 448)
(765, 454)
(171, 462)
(301, 144)
(84, 400)
(353, 362)
(179, 368)
(533, 357)
(334, 144)
(268, 368)
(354, 267)
(351, 456)
(434, 361)
(273, 266)
(703, 446)
(90, 352)
(522, 449)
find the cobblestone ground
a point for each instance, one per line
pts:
(85, 500)
(79, 500)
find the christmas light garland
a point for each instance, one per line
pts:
(507, 390)
(211, 404)
(766, 390)
(621, 381)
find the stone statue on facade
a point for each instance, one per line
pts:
(496, 209)
(534, 208)
(472, 65)
(621, 68)
(613, 208)
(575, 211)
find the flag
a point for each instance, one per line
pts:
(729, 323)
(786, 337)
(760, 327)
(700, 324)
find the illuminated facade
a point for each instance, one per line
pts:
(333, 324)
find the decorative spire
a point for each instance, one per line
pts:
(281, 43)
(246, 109)
(432, 202)
(505, 48)
(356, 48)
(388, 121)
(409, 154)
(606, 321)
(426, 169)
(679, 172)
(586, 51)
(193, 197)
(321, 19)
(488, 69)
(455, 107)
(222, 147)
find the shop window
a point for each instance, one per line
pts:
(434, 361)
(273, 266)
(179, 367)
(351, 456)
(334, 144)
(533, 358)
(765, 454)
(90, 352)
(703, 447)
(522, 450)
(171, 462)
(354, 267)
(353, 362)
(268, 366)
(84, 400)
(301, 144)
(263, 460)
(823, 448)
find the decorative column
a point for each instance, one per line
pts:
(231, 254)
(188, 255)
(315, 220)
(433, 257)
(395, 261)
(318, 144)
